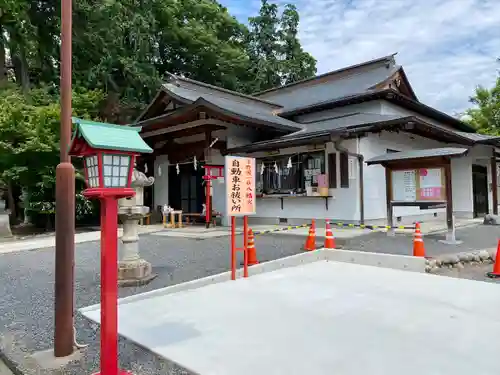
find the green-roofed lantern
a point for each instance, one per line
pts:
(109, 153)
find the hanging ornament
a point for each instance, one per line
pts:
(289, 165)
(195, 163)
(159, 171)
(177, 168)
(262, 169)
(146, 168)
(276, 168)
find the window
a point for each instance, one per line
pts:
(344, 170)
(92, 171)
(115, 170)
(279, 177)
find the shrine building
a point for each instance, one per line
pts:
(338, 146)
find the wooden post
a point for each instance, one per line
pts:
(388, 195)
(494, 183)
(208, 160)
(449, 196)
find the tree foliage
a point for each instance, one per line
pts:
(121, 51)
(485, 115)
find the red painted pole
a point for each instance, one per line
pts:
(245, 246)
(109, 286)
(233, 248)
(207, 203)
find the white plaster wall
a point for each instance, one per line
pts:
(461, 182)
(375, 198)
(374, 106)
(160, 186)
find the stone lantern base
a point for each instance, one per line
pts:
(132, 269)
(135, 273)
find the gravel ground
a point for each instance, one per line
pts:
(26, 298)
(471, 272)
(479, 237)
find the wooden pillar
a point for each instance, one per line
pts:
(494, 183)
(208, 160)
(388, 195)
(449, 196)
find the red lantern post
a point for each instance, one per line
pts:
(109, 153)
(212, 172)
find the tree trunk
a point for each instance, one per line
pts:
(11, 202)
(3, 67)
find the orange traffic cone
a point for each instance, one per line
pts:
(310, 244)
(496, 268)
(329, 239)
(252, 253)
(418, 242)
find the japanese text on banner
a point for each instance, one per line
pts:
(240, 186)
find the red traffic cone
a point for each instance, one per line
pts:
(329, 239)
(496, 268)
(252, 253)
(310, 244)
(418, 242)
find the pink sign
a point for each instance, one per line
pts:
(322, 181)
(240, 186)
(430, 193)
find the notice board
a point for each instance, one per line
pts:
(422, 184)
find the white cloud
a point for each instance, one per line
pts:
(447, 47)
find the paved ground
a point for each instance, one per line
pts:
(478, 237)
(27, 277)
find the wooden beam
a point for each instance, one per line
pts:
(172, 147)
(179, 128)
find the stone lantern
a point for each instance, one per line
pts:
(132, 270)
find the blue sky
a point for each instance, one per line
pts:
(447, 47)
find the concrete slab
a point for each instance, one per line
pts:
(4, 370)
(319, 317)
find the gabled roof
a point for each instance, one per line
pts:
(233, 108)
(190, 90)
(105, 136)
(388, 59)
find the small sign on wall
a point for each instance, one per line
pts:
(352, 169)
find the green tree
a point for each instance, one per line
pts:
(275, 51)
(296, 64)
(29, 136)
(485, 116)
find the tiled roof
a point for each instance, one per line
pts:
(234, 106)
(111, 137)
(418, 154)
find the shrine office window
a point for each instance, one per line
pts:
(289, 173)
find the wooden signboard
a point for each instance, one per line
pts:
(414, 185)
(240, 186)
